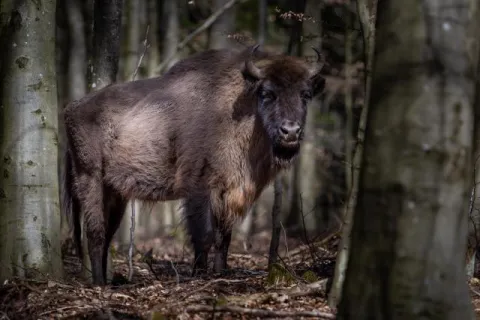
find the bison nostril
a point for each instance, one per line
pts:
(284, 130)
(290, 130)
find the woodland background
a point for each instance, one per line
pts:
(391, 144)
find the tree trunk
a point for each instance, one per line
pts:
(62, 52)
(248, 227)
(77, 81)
(132, 40)
(172, 31)
(106, 43)
(473, 248)
(367, 11)
(408, 240)
(224, 26)
(262, 21)
(276, 227)
(153, 56)
(105, 49)
(305, 190)
(29, 197)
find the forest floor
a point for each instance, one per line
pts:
(162, 286)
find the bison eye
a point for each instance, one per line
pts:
(306, 95)
(267, 95)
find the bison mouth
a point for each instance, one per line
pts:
(284, 151)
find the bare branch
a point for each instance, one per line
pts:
(276, 210)
(210, 20)
(260, 312)
(130, 249)
(145, 47)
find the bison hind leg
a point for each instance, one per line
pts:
(200, 227)
(114, 210)
(89, 194)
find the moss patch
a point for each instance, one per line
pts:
(31, 163)
(36, 86)
(22, 62)
(7, 159)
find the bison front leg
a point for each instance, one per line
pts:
(200, 228)
(223, 236)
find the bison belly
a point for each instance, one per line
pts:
(141, 169)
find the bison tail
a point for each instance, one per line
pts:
(70, 209)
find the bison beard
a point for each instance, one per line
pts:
(214, 131)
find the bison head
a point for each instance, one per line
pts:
(283, 87)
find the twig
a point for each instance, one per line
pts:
(307, 290)
(260, 312)
(132, 219)
(210, 20)
(475, 291)
(130, 248)
(176, 273)
(286, 242)
(305, 233)
(145, 47)
(191, 293)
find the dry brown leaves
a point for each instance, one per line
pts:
(165, 290)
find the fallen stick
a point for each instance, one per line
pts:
(260, 312)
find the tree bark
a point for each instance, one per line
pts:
(408, 240)
(305, 190)
(77, 65)
(172, 31)
(106, 43)
(276, 227)
(367, 11)
(103, 68)
(29, 197)
(132, 39)
(153, 56)
(262, 21)
(473, 248)
(225, 25)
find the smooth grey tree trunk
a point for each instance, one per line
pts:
(407, 257)
(172, 31)
(153, 53)
(224, 26)
(77, 64)
(29, 197)
(132, 38)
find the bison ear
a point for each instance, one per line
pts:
(249, 68)
(316, 79)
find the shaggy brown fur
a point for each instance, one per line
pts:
(214, 130)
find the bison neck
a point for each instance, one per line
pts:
(250, 171)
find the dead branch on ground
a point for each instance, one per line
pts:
(260, 312)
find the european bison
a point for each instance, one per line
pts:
(214, 131)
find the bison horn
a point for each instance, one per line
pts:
(320, 62)
(251, 68)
